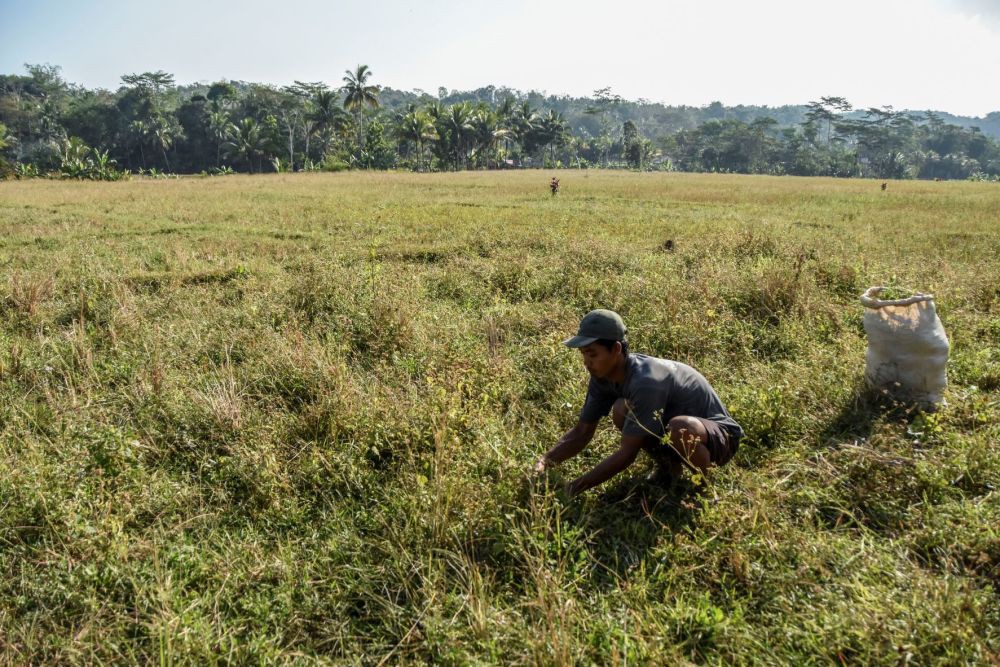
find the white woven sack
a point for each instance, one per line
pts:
(907, 347)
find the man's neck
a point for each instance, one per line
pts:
(618, 374)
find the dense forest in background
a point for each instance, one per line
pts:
(151, 125)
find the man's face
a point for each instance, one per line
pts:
(600, 361)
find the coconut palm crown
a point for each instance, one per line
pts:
(358, 94)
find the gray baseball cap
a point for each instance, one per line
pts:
(595, 325)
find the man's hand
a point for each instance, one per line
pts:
(541, 465)
(571, 444)
(609, 467)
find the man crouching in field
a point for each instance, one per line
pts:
(648, 398)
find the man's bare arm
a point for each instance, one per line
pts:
(609, 467)
(571, 444)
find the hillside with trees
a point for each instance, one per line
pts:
(152, 125)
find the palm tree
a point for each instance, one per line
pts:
(245, 141)
(416, 127)
(325, 114)
(358, 95)
(163, 131)
(553, 129)
(218, 128)
(456, 122)
(290, 110)
(507, 115)
(487, 133)
(506, 108)
(305, 94)
(436, 110)
(139, 130)
(150, 122)
(525, 123)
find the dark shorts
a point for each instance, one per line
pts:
(722, 444)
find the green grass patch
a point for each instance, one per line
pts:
(288, 419)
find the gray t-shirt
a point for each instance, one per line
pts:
(657, 390)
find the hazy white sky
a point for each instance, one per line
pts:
(912, 54)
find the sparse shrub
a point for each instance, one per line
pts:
(333, 163)
(26, 293)
(766, 415)
(751, 246)
(843, 281)
(769, 298)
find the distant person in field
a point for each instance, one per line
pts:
(651, 401)
(554, 186)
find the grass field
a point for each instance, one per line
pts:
(288, 419)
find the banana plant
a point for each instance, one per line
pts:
(74, 161)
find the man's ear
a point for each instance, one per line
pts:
(618, 347)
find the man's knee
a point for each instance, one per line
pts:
(687, 431)
(690, 437)
(618, 411)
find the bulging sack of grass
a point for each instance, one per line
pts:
(907, 347)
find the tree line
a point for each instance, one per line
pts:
(151, 125)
